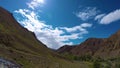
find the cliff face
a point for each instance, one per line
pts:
(109, 47)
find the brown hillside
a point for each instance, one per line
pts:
(105, 48)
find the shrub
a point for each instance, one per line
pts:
(117, 65)
(83, 58)
(96, 64)
(108, 65)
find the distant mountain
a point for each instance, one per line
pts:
(20, 46)
(107, 47)
(65, 48)
(111, 47)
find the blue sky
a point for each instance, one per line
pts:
(60, 22)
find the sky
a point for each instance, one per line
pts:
(66, 22)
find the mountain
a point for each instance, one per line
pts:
(97, 47)
(20, 46)
(65, 48)
(88, 47)
(17, 43)
(111, 47)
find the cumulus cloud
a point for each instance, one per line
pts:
(80, 28)
(87, 13)
(32, 18)
(99, 17)
(35, 3)
(111, 17)
(86, 25)
(52, 37)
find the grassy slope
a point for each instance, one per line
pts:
(19, 45)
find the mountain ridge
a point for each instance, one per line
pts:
(95, 46)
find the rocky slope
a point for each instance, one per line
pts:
(111, 47)
(105, 48)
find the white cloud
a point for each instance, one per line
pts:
(35, 3)
(111, 17)
(87, 13)
(99, 17)
(81, 28)
(52, 37)
(32, 18)
(86, 25)
(73, 29)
